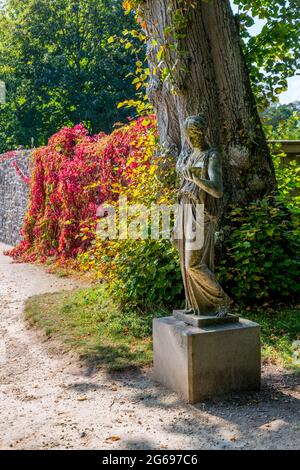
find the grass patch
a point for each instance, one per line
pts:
(91, 323)
(279, 329)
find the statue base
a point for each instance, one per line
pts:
(200, 362)
(203, 320)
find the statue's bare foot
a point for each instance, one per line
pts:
(188, 311)
(222, 313)
(224, 309)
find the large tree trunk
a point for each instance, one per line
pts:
(200, 40)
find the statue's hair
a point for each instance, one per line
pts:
(195, 122)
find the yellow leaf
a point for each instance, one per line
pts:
(146, 122)
(120, 105)
(127, 6)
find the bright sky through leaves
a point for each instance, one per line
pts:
(293, 91)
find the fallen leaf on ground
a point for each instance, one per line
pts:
(113, 438)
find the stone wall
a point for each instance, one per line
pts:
(13, 197)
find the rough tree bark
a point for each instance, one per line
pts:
(200, 38)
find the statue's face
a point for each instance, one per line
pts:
(195, 137)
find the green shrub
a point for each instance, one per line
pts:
(147, 273)
(261, 253)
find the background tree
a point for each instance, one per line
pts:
(282, 121)
(196, 52)
(272, 55)
(60, 68)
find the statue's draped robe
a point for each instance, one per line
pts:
(202, 291)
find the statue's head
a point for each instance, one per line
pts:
(195, 128)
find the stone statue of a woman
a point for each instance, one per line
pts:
(201, 183)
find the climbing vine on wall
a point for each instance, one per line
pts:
(71, 176)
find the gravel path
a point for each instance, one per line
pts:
(50, 401)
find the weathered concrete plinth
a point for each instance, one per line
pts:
(203, 320)
(202, 362)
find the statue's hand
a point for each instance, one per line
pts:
(188, 175)
(196, 172)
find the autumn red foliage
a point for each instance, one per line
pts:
(71, 177)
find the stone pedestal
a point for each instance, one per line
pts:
(200, 362)
(203, 320)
